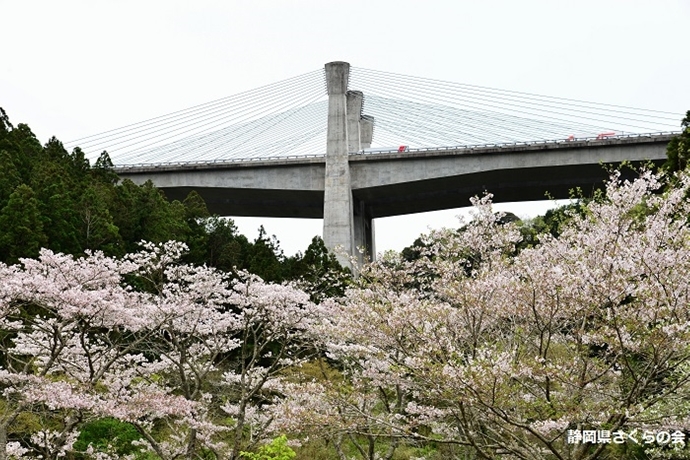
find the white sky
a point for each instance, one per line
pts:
(76, 68)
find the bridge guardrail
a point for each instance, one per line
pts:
(472, 147)
(219, 161)
(394, 150)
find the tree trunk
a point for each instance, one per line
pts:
(3, 442)
(191, 445)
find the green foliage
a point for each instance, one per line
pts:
(316, 449)
(22, 146)
(9, 177)
(414, 252)
(226, 248)
(552, 222)
(195, 215)
(143, 213)
(266, 258)
(97, 229)
(22, 227)
(107, 435)
(5, 124)
(103, 170)
(320, 271)
(678, 150)
(276, 450)
(57, 193)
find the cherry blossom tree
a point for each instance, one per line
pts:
(49, 311)
(184, 354)
(557, 351)
(522, 355)
(224, 343)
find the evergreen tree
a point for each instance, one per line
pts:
(9, 176)
(143, 213)
(5, 125)
(57, 193)
(226, 249)
(320, 271)
(55, 151)
(97, 230)
(22, 146)
(22, 226)
(678, 150)
(266, 259)
(196, 217)
(103, 170)
(79, 164)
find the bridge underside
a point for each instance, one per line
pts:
(255, 202)
(507, 185)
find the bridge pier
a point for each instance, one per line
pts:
(346, 225)
(366, 131)
(364, 232)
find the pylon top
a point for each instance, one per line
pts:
(337, 77)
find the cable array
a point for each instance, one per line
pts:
(421, 112)
(289, 118)
(282, 119)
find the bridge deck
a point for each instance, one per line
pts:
(395, 183)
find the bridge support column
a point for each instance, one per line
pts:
(354, 112)
(364, 233)
(357, 132)
(338, 222)
(366, 131)
(346, 224)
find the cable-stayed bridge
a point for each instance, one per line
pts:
(310, 146)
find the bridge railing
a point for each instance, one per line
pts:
(470, 147)
(216, 162)
(460, 149)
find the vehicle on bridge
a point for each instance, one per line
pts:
(602, 136)
(399, 149)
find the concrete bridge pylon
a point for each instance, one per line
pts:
(347, 226)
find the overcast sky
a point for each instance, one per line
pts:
(76, 68)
